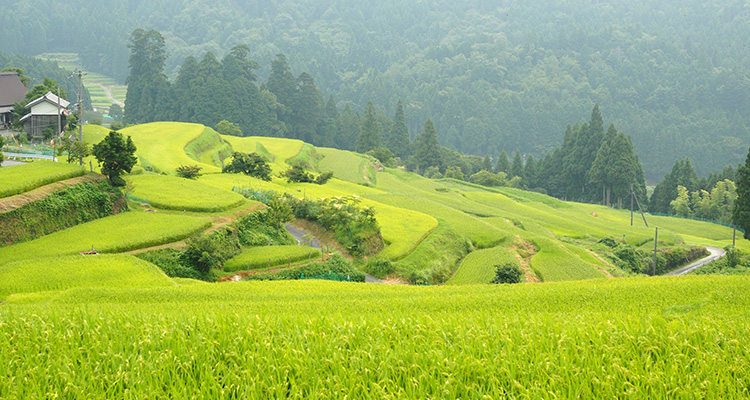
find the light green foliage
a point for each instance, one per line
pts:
(118, 233)
(307, 158)
(435, 258)
(173, 193)
(383, 341)
(76, 271)
(260, 258)
(23, 178)
(478, 266)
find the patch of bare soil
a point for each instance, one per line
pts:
(394, 281)
(20, 200)
(523, 251)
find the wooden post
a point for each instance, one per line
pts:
(734, 234)
(631, 204)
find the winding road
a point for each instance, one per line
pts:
(716, 253)
(303, 238)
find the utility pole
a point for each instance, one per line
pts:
(632, 194)
(734, 234)
(80, 75)
(656, 242)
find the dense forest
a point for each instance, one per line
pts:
(491, 75)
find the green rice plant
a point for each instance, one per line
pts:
(62, 273)
(172, 193)
(554, 262)
(479, 266)
(162, 145)
(25, 177)
(115, 234)
(481, 233)
(307, 158)
(265, 257)
(209, 148)
(346, 165)
(624, 338)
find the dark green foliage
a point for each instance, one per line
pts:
(741, 212)
(398, 138)
(251, 164)
(298, 174)
(382, 154)
(531, 172)
(116, 126)
(207, 252)
(116, 155)
(507, 273)
(682, 174)
(502, 165)
(148, 93)
(189, 171)
(115, 111)
(347, 129)
(615, 167)
(609, 242)
(486, 178)
(516, 168)
(641, 262)
(354, 227)
(170, 261)
(335, 264)
(225, 127)
(369, 134)
(262, 228)
(2, 143)
(308, 110)
(735, 262)
(427, 148)
(60, 210)
(379, 267)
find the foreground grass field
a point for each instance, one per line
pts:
(639, 338)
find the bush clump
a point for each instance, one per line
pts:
(507, 273)
(379, 267)
(336, 264)
(251, 164)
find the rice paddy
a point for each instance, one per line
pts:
(25, 177)
(173, 193)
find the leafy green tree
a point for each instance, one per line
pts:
(427, 148)
(225, 127)
(75, 149)
(682, 174)
(398, 138)
(189, 171)
(116, 155)
(487, 164)
(681, 205)
(741, 212)
(251, 164)
(369, 134)
(454, 172)
(115, 111)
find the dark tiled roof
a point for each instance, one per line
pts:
(11, 89)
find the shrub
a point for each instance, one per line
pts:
(454, 172)
(324, 177)
(336, 264)
(379, 267)
(382, 154)
(486, 178)
(251, 164)
(507, 273)
(298, 174)
(189, 171)
(228, 128)
(210, 251)
(116, 126)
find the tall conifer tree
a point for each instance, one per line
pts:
(427, 150)
(503, 165)
(398, 140)
(741, 211)
(516, 168)
(369, 134)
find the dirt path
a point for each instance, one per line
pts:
(20, 200)
(716, 253)
(109, 94)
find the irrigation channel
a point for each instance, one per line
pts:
(716, 253)
(304, 238)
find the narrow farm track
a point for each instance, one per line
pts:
(716, 253)
(304, 237)
(17, 201)
(109, 95)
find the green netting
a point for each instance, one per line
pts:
(696, 219)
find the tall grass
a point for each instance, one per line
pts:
(479, 266)
(264, 257)
(172, 193)
(629, 338)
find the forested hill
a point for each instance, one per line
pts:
(492, 75)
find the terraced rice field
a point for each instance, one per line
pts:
(25, 177)
(173, 193)
(115, 234)
(266, 257)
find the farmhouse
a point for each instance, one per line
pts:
(44, 114)
(11, 91)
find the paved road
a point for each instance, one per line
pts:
(41, 156)
(716, 253)
(299, 234)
